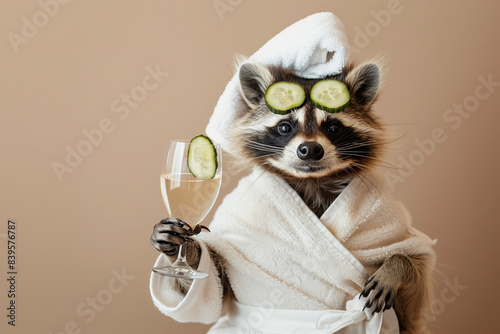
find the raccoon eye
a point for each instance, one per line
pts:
(334, 129)
(284, 128)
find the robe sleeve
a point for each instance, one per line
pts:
(202, 302)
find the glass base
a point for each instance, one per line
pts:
(180, 272)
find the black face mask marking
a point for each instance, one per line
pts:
(349, 143)
(270, 143)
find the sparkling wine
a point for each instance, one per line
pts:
(187, 197)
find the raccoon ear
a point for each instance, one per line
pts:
(254, 80)
(364, 81)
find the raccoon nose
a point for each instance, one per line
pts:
(310, 150)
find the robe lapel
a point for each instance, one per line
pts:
(319, 229)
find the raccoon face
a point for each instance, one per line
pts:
(308, 142)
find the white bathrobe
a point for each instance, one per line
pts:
(278, 256)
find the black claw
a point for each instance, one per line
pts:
(366, 290)
(368, 304)
(197, 229)
(369, 279)
(378, 309)
(388, 301)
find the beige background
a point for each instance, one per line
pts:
(63, 80)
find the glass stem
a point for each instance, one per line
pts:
(182, 253)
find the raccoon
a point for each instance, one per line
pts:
(318, 154)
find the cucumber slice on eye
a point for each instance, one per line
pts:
(330, 95)
(283, 96)
(202, 157)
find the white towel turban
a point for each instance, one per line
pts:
(314, 47)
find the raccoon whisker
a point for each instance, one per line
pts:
(378, 141)
(362, 166)
(253, 142)
(345, 136)
(264, 149)
(389, 141)
(256, 179)
(361, 144)
(356, 149)
(365, 180)
(259, 147)
(272, 169)
(260, 157)
(298, 185)
(351, 146)
(256, 145)
(362, 154)
(359, 164)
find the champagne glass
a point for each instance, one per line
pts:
(188, 198)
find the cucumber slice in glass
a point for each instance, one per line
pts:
(202, 157)
(330, 95)
(283, 96)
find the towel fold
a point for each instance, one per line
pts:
(314, 47)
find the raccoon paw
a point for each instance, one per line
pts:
(169, 234)
(383, 292)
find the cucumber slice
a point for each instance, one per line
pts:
(283, 96)
(202, 157)
(330, 95)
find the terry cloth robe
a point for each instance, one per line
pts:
(279, 255)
